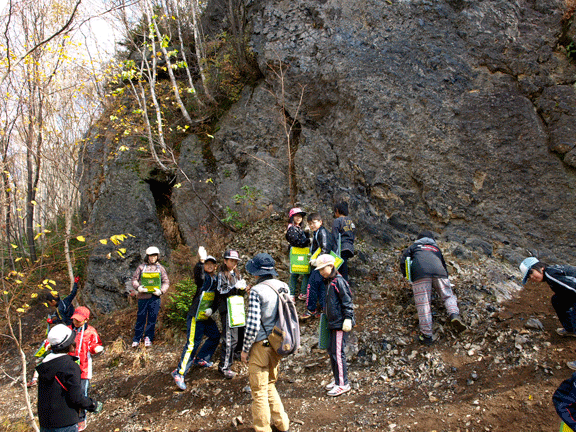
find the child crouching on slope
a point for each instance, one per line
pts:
(339, 311)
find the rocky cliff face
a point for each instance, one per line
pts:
(454, 115)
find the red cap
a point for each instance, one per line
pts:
(81, 313)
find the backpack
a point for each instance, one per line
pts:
(285, 335)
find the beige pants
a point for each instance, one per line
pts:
(266, 404)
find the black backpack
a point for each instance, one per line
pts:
(285, 336)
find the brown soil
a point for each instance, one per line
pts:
(139, 394)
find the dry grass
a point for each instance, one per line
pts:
(570, 10)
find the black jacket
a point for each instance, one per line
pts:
(209, 284)
(562, 280)
(564, 399)
(343, 228)
(427, 260)
(324, 240)
(60, 395)
(224, 289)
(296, 236)
(65, 309)
(339, 304)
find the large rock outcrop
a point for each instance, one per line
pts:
(455, 115)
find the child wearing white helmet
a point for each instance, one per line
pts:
(150, 281)
(562, 280)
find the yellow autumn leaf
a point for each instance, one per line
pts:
(104, 241)
(109, 256)
(54, 293)
(81, 239)
(120, 253)
(178, 185)
(38, 235)
(52, 281)
(17, 259)
(45, 304)
(33, 202)
(14, 246)
(123, 250)
(34, 295)
(18, 281)
(20, 310)
(5, 292)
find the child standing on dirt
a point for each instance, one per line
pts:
(339, 311)
(88, 343)
(297, 238)
(150, 281)
(60, 395)
(230, 283)
(324, 240)
(199, 323)
(343, 232)
(428, 270)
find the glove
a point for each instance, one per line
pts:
(77, 279)
(347, 325)
(241, 284)
(98, 408)
(157, 292)
(98, 349)
(202, 253)
(208, 313)
(142, 290)
(49, 320)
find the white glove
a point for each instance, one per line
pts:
(98, 349)
(202, 253)
(208, 313)
(142, 290)
(347, 325)
(157, 292)
(241, 284)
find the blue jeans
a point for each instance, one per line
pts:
(85, 385)
(196, 330)
(293, 281)
(316, 291)
(147, 313)
(73, 428)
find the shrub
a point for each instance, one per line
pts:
(179, 302)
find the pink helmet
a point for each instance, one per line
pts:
(295, 211)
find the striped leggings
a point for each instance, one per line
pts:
(422, 289)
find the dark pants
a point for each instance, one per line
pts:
(336, 348)
(229, 342)
(196, 330)
(85, 385)
(147, 313)
(73, 428)
(566, 311)
(343, 270)
(316, 292)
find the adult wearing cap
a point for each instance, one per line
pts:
(60, 394)
(267, 408)
(199, 323)
(562, 280)
(428, 270)
(150, 281)
(230, 283)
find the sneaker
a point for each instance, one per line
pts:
(147, 342)
(302, 297)
(330, 386)
(563, 332)
(338, 390)
(178, 379)
(135, 344)
(306, 315)
(457, 323)
(203, 363)
(32, 382)
(82, 425)
(425, 339)
(228, 374)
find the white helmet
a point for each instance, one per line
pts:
(525, 267)
(152, 250)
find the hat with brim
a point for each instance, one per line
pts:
(323, 261)
(526, 266)
(232, 254)
(81, 313)
(60, 337)
(210, 258)
(261, 265)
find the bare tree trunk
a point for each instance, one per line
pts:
(199, 46)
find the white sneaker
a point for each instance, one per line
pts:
(338, 390)
(135, 344)
(330, 386)
(147, 342)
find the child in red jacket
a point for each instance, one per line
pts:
(88, 343)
